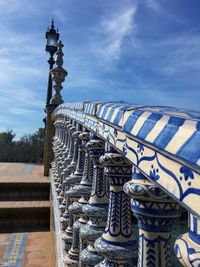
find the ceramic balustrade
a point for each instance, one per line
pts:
(152, 167)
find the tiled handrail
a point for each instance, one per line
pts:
(162, 146)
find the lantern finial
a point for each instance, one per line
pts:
(52, 24)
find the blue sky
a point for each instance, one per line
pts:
(144, 52)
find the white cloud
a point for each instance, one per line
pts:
(21, 79)
(153, 4)
(160, 9)
(22, 112)
(112, 31)
(177, 55)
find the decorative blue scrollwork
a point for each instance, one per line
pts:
(154, 173)
(187, 255)
(140, 148)
(187, 174)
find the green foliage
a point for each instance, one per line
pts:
(28, 149)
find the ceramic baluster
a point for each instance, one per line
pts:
(65, 162)
(60, 157)
(56, 143)
(96, 208)
(72, 195)
(187, 246)
(66, 173)
(72, 166)
(73, 159)
(155, 212)
(83, 189)
(62, 164)
(118, 244)
(71, 129)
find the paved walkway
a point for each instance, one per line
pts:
(30, 249)
(22, 172)
(26, 250)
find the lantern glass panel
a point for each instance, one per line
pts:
(52, 40)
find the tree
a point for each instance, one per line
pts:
(37, 142)
(6, 144)
(28, 149)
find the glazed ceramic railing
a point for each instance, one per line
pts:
(107, 154)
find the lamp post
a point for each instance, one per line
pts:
(52, 37)
(57, 75)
